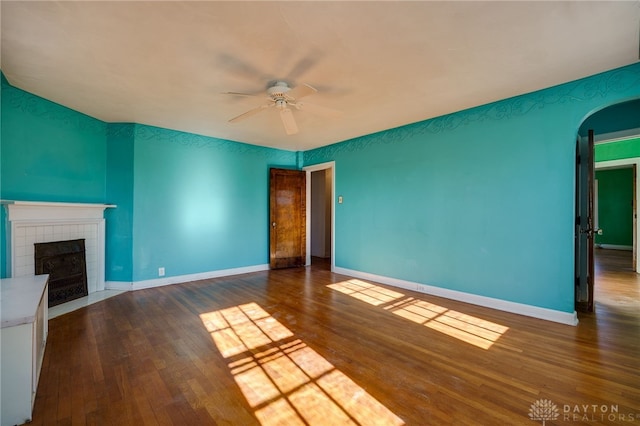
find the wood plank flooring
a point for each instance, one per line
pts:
(307, 346)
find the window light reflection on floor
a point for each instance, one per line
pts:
(469, 329)
(284, 380)
(372, 294)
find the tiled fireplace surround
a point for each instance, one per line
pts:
(31, 222)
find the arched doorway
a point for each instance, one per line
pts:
(618, 126)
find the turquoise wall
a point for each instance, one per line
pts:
(480, 201)
(624, 116)
(615, 206)
(48, 153)
(186, 202)
(62, 154)
(200, 204)
(119, 221)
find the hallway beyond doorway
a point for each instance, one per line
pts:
(617, 285)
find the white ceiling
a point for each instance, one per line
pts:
(383, 64)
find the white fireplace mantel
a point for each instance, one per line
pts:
(30, 222)
(42, 210)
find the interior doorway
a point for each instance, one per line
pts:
(615, 209)
(617, 282)
(320, 220)
(606, 144)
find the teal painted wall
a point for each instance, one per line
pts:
(48, 153)
(615, 206)
(624, 116)
(186, 202)
(629, 148)
(119, 220)
(200, 204)
(480, 201)
(62, 154)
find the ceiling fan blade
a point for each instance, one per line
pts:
(300, 92)
(242, 94)
(249, 113)
(289, 121)
(318, 109)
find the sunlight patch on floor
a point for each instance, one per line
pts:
(284, 380)
(476, 331)
(367, 292)
(469, 329)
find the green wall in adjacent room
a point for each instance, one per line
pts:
(617, 150)
(615, 206)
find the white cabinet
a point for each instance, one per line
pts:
(23, 337)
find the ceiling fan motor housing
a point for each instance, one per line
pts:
(278, 90)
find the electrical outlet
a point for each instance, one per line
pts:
(161, 272)
(420, 288)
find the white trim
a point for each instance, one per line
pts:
(33, 222)
(626, 162)
(181, 279)
(52, 212)
(617, 136)
(614, 247)
(314, 168)
(489, 302)
(118, 285)
(76, 304)
(615, 164)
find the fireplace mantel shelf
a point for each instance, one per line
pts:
(40, 210)
(57, 204)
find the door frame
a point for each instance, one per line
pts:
(292, 231)
(627, 162)
(310, 169)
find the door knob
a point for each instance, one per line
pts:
(273, 224)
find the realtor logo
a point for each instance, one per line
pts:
(543, 409)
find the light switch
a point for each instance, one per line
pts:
(340, 199)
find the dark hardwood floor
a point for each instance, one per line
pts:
(307, 346)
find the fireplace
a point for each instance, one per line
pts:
(31, 222)
(65, 262)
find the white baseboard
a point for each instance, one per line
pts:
(118, 285)
(489, 302)
(614, 247)
(160, 282)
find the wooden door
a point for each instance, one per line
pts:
(287, 201)
(590, 224)
(585, 262)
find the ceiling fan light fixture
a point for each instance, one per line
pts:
(281, 96)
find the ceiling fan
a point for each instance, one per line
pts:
(281, 97)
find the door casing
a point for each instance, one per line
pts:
(309, 170)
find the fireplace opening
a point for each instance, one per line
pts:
(66, 264)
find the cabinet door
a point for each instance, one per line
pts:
(39, 340)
